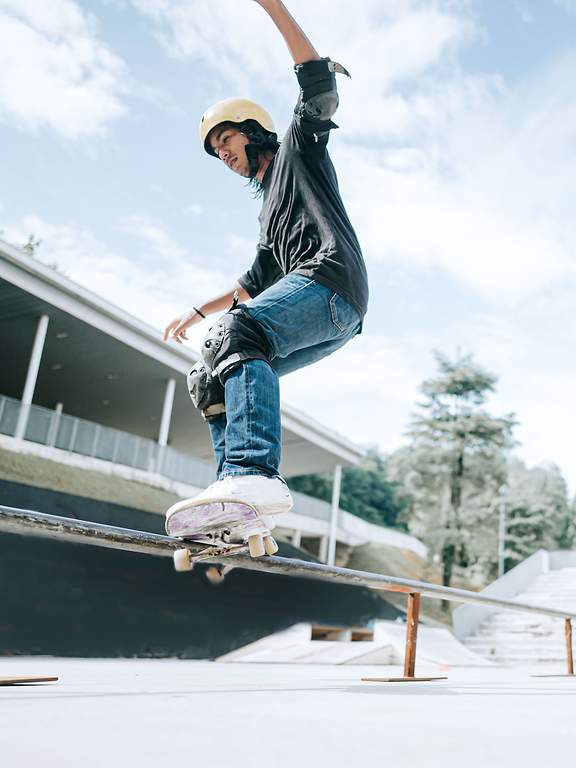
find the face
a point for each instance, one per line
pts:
(228, 144)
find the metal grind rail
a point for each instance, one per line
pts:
(20, 521)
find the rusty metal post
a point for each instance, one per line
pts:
(413, 615)
(569, 652)
(411, 633)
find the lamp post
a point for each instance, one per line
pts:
(502, 529)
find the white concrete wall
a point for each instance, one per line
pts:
(467, 618)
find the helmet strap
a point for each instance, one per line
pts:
(260, 141)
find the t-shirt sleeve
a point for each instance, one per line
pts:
(263, 273)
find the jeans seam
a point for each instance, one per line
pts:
(250, 404)
(334, 314)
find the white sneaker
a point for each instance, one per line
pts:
(268, 495)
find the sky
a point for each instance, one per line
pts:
(455, 156)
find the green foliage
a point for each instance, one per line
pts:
(31, 246)
(454, 466)
(365, 492)
(538, 512)
(445, 485)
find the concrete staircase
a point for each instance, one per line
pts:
(523, 638)
(383, 644)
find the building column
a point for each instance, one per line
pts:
(165, 422)
(336, 485)
(297, 538)
(323, 549)
(54, 424)
(166, 412)
(31, 377)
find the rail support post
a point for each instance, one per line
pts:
(411, 633)
(412, 618)
(569, 651)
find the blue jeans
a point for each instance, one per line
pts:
(303, 322)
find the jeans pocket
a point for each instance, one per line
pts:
(344, 317)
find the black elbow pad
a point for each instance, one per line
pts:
(318, 95)
(320, 107)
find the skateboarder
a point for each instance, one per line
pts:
(304, 296)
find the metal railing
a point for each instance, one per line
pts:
(69, 433)
(86, 438)
(21, 521)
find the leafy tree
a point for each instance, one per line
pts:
(365, 492)
(455, 465)
(31, 246)
(538, 512)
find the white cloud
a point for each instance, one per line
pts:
(368, 390)
(567, 5)
(457, 225)
(54, 70)
(525, 13)
(440, 168)
(163, 282)
(488, 199)
(382, 41)
(195, 209)
(371, 381)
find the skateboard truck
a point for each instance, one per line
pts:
(225, 527)
(257, 546)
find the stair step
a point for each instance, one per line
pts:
(513, 637)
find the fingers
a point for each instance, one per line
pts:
(169, 328)
(178, 327)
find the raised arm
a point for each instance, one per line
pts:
(300, 47)
(318, 99)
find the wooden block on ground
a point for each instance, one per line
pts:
(401, 679)
(566, 674)
(23, 679)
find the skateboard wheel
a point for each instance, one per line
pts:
(256, 545)
(183, 560)
(270, 545)
(215, 574)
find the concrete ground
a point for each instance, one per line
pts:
(167, 712)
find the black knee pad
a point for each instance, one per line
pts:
(236, 337)
(206, 392)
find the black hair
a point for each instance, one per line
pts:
(256, 186)
(260, 141)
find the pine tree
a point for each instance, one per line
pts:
(455, 465)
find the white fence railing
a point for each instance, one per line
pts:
(69, 433)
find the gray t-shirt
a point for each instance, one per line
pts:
(304, 227)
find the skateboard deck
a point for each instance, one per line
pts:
(226, 527)
(201, 522)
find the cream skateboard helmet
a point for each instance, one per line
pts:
(236, 110)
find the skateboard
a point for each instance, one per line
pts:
(225, 527)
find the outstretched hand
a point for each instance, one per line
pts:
(177, 328)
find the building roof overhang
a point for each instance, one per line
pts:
(110, 367)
